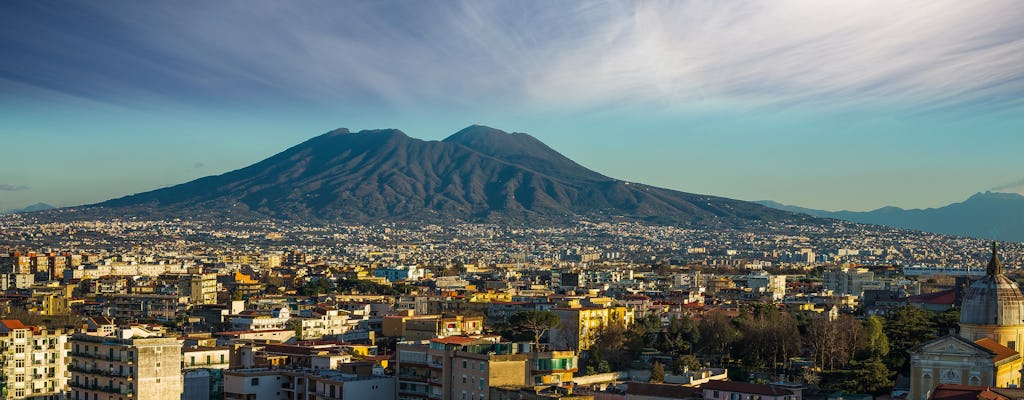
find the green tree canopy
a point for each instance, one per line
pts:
(534, 322)
(657, 373)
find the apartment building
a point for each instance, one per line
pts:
(33, 362)
(464, 367)
(326, 323)
(355, 381)
(202, 368)
(580, 326)
(423, 327)
(125, 363)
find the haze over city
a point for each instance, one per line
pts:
(831, 105)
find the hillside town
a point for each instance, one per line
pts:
(267, 311)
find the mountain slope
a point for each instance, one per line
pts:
(477, 174)
(31, 208)
(986, 215)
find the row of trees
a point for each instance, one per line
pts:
(857, 355)
(323, 286)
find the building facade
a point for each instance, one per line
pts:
(129, 364)
(33, 362)
(987, 350)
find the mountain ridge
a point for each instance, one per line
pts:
(987, 215)
(30, 208)
(477, 174)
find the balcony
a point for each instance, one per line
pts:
(413, 377)
(97, 371)
(116, 357)
(102, 388)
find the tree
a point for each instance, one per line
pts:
(536, 322)
(595, 363)
(768, 338)
(686, 363)
(871, 376)
(906, 328)
(834, 341)
(615, 344)
(718, 334)
(657, 373)
(876, 344)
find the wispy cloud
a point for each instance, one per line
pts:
(6, 187)
(1017, 187)
(924, 53)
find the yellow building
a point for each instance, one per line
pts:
(986, 352)
(579, 327)
(955, 360)
(52, 300)
(490, 296)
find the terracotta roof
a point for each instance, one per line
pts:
(1001, 352)
(12, 324)
(743, 387)
(945, 297)
(947, 391)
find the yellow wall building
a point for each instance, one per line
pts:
(987, 350)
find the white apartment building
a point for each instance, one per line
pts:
(33, 362)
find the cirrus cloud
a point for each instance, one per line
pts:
(7, 187)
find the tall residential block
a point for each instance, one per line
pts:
(129, 363)
(33, 362)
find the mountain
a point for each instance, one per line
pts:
(31, 208)
(476, 174)
(988, 215)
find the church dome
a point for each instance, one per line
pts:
(994, 299)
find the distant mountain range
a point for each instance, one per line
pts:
(478, 174)
(31, 208)
(988, 215)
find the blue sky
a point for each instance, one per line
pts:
(834, 105)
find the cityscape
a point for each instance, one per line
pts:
(185, 213)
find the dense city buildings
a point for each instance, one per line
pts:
(263, 310)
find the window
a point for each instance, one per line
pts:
(254, 381)
(463, 363)
(482, 365)
(481, 384)
(1012, 344)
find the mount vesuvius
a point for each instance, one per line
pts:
(478, 174)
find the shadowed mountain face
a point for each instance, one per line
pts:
(986, 215)
(31, 208)
(477, 174)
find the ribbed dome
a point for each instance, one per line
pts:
(994, 299)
